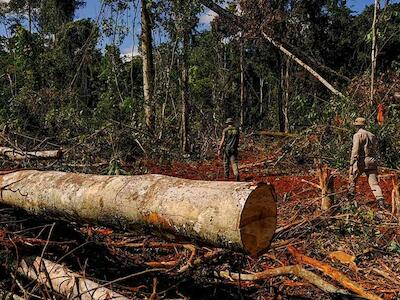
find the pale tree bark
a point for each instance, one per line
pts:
(65, 282)
(374, 51)
(281, 94)
(237, 21)
(236, 215)
(286, 95)
(34, 155)
(148, 67)
(185, 92)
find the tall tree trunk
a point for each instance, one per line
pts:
(185, 92)
(280, 98)
(242, 96)
(373, 51)
(30, 16)
(148, 68)
(286, 95)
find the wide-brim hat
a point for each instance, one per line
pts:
(359, 122)
(229, 121)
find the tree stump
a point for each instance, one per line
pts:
(326, 184)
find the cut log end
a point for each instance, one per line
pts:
(258, 220)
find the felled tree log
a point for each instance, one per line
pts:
(65, 282)
(236, 215)
(36, 155)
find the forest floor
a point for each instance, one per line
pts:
(356, 238)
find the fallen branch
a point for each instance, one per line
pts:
(334, 274)
(295, 270)
(387, 276)
(66, 282)
(277, 134)
(35, 155)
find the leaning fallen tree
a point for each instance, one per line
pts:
(236, 215)
(14, 154)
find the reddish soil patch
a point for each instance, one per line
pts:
(289, 186)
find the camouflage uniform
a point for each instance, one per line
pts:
(363, 160)
(230, 150)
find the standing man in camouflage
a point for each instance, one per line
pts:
(364, 160)
(229, 145)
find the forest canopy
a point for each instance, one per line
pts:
(64, 78)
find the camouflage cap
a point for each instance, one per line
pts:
(359, 122)
(229, 121)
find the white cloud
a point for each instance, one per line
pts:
(128, 53)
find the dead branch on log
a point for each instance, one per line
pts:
(34, 155)
(295, 270)
(334, 274)
(65, 282)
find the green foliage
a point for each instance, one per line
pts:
(56, 80)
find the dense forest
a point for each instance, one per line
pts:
(65, 79)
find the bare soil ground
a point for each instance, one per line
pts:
(360, 229)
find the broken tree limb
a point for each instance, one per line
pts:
(236, 215)
(334, 274)
(36, 155)
(65, 282)
(238, 22)
(387, 276)
(302, 64)
(277, 134)
(295, 270)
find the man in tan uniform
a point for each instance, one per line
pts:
(364, 160)
(229, 144)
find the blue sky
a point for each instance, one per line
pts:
(93, 7)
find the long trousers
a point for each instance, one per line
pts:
(372, 180)
(231, 159)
